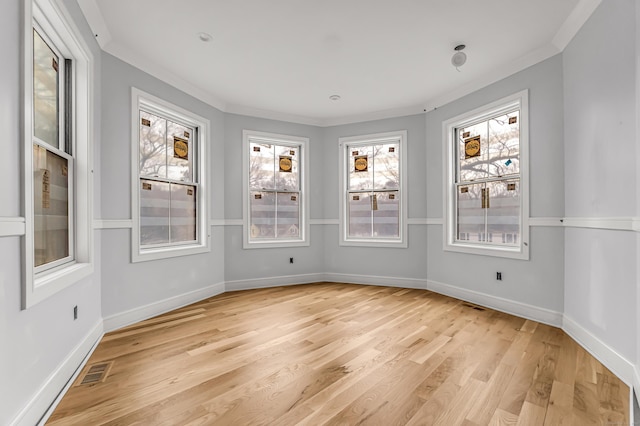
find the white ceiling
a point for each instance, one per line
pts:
(284, 58)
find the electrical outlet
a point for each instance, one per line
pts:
(291, 260)
(499, 276)
(75, 312)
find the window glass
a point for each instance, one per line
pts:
(261, 166)
(46, 63)
(386, 214)
(386, 166)
(50, 206)
(153, 153)
(360, 217)
(263, 215)
(154, 212)
(179, 152)
(183, 212)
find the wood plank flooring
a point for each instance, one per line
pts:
(342, 354)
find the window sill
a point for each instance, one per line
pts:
(46, 284)
(145, 255)
(520, 253)
(374, 243)
(275, 244)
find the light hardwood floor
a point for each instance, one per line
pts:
(346, 354)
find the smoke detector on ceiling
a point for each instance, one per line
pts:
(459, 58)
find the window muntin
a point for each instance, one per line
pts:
(274, 187)
(487, 205)
(168, 193)
(372, 206)
(52, 162)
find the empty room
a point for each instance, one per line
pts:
(320, 212)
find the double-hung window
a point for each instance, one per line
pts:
(373, 202)
(486, 171)
(275, 195)
(170, 186)
(57, 153)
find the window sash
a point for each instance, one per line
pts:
(191, 182)
(348, 147)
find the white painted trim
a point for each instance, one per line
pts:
(123, 319)
(636, 381)
(93, 15)
(271, 115)
(611, 223)
(304, 151)
(583, 10)
(12, 226)
(426, 221)
(256, 283)
(324, 221)
(226, 222)
(524, 310)
(415, 283)
(112, 224)
(611, 359)
(546, 221)
(49, 394)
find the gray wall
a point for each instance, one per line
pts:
(382, 262)
(34, 342)
(537, 282)
(129, 285)
(600, 175)
(272, 262)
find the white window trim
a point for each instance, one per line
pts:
(277, 139)
(150, 103)
(54, 19)
(402, 241)
(520, 99)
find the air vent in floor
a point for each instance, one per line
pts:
(96, 373)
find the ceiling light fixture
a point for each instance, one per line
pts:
(459, 58)
(205, 37)
(334, 97)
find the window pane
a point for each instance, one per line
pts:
(503, 214)
(471, 215)
(471, 153)
(45, 92)
(288, 208)
(263, 215)
(386, 214)
(287, 168)
(154, 212)
(261, 166)
(360, 167)
(504, 144)
(360, 218)
(153, 145)
(183, 213)
(50, 206)
(179, 152)
(387, 166)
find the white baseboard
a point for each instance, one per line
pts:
(611, 359)
(376, 280)
(256, 283)
(55, 386)
(142, 313)
(524, 310)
